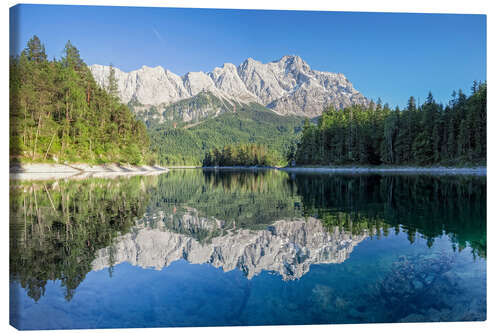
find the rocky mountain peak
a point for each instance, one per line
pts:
(286, 86)
(250, 61)
(290, 60)
(196, 82)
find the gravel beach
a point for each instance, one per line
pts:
(78, 171)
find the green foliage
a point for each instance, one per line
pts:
(112, 82)
(59, 113)
(424, 135)
(253, 124)
(241, 155)
(71, 58)
(35, 50)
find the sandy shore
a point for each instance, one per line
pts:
(79, 171)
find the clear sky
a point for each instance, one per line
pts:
(386, 55)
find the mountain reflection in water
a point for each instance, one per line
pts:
(255, 223)
(285, 247)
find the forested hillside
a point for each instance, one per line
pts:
(59, 113)
(429, 134)
(251, 124)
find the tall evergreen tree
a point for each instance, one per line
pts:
(72, 58)
(35, 50)
(112, 82)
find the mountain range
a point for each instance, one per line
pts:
(287, 86)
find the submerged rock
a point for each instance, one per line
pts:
(426, 289)
(323, 295)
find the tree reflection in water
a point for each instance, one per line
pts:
(59, 228)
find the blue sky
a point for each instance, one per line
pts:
(386, 55)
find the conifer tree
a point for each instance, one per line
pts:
(35, 50)
(112, 82)
(72, 58)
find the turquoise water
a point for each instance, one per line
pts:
(194, 248)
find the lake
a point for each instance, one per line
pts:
(217, 248)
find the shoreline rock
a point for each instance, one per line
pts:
(45, 171)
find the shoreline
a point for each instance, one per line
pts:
(184, 167)
(477, 171)
(46, 171)
(41, 171)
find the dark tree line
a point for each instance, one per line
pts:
(429, 134)
(241, 155)
(58, 112)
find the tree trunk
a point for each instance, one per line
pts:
(36, 137)
(50, 144)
